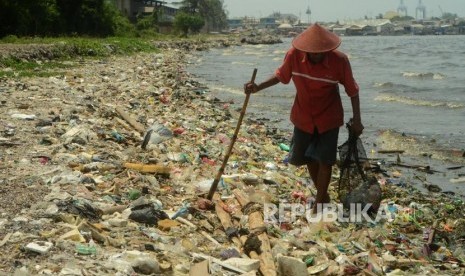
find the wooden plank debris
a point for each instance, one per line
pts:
(148, 168)
(267, 265)
(225, 218)
(136, 125)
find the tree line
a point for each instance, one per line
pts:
(195, 14)
(100, 18)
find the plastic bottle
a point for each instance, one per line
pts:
(84, 249)
(284, 147)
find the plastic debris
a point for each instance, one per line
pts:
(86, 249)
(147, 214)
(82, 193)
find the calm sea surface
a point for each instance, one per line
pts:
(412, 88)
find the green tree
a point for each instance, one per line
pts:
(62, 17)
(28, 17)
(449, 16)
(9, 17)
(120, 25)
(185, 22)
(86, 17)
(149, 22)
(401, 18)
(211, 11)
(196, 23)
(69, 14)
(42, 17)
(182, 22)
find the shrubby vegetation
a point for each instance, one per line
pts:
(211, 11)
(54, 31)
(48, 59)
(61, 18)
(100, 18)
(185, 22)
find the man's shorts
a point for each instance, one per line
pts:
(317, 147)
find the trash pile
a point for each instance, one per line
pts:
(105, 171)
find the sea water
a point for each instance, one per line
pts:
(412, 90)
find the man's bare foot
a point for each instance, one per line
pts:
(318, 206)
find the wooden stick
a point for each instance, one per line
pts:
(391, 151)
(9, 144)
(114, 209)
(241, 197)
(418, 167)
(432, 233)
(124, 124)
(148, 168)
(233, 140)
(210, 238)
(186, 222)
(5, 239)
(136, 125)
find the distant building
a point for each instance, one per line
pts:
(134, 8)
(341, 31)
(418, 29)
(461, 26)
(354, 30)
(385, 28)
(365, 27)
(250, 22)
(268, 23)
(363, 22)
(234, 23)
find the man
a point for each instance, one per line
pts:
(316, 69)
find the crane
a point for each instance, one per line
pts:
(442, 12)
(420, 8)
(402, 8)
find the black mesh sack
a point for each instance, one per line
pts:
(352, 156)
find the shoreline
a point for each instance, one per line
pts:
(66, 145)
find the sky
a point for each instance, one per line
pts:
(333, 10)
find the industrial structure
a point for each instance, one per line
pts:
(402, 9)
(308, 12)
(134, 8)
(420, 9)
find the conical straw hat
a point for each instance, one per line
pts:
(316, 39)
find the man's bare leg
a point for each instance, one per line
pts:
(321, 176)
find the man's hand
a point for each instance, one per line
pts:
(357, 128)
(250, 87)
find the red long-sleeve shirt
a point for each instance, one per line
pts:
(317, 102)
